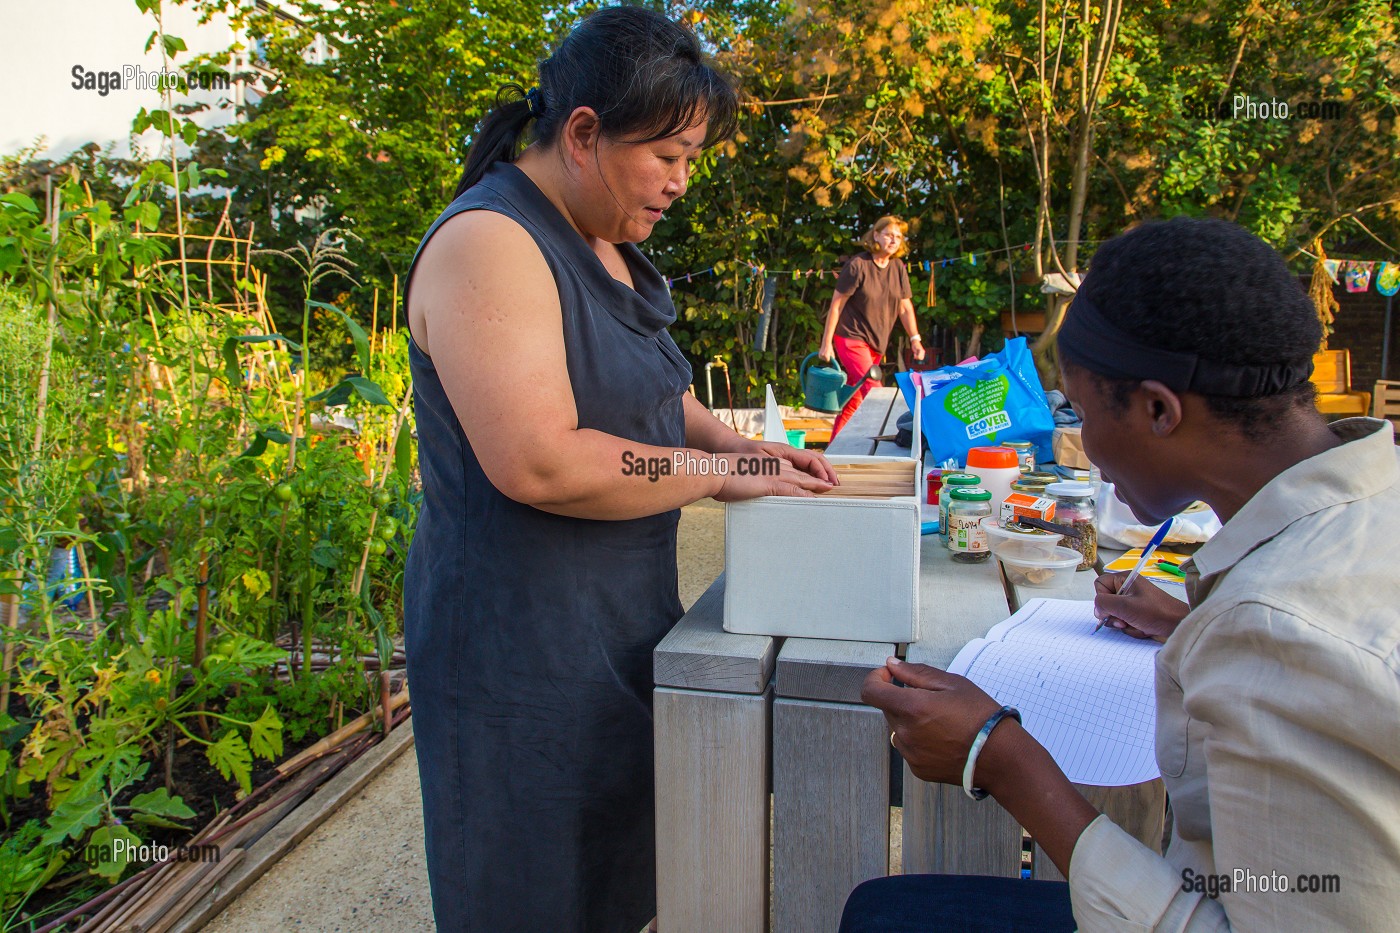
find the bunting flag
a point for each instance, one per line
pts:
(1388, 278)
(1358, 276)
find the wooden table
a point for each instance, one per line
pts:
(738, 715)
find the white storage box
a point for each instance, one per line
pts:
(827, 567)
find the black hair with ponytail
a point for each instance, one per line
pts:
(642, 74)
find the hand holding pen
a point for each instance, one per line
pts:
(1142, 612)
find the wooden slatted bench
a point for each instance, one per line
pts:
(1387, 401)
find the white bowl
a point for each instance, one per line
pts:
(1025, 568)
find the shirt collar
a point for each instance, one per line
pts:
(1363, 465)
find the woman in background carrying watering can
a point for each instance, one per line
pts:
(871, 291)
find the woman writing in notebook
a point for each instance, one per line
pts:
(1187, 352)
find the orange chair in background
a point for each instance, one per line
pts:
(1332, 376)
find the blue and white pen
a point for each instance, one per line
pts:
(1147, 552)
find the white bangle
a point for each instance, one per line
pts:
(914, 337)
(977, 793)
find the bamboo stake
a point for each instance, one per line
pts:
(205, 876)
(385, 702)
(10, 606)
(327, 744)
(373, 327)
(87, 586)
(42, 404)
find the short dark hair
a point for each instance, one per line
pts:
(644, 75)
(1214, 289)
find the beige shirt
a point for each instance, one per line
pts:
(1278, 717)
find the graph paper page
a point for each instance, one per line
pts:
(1087, 697)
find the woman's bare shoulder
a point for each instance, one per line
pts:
(481, 255)
(477, 233)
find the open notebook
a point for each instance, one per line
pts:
(1087, 697)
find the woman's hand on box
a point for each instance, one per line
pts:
(808, 461)
(765, 471)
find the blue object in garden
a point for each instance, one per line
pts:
(64, 577)
(824, 386)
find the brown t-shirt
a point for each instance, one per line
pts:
(872, 309)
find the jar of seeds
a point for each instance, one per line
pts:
(1074, 506)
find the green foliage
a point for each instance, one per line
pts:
(370, 136)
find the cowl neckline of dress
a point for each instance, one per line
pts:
(645, 307)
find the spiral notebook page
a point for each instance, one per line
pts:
(1087, 697)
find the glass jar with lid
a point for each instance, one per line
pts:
(967, 539)
(1025, 454)
(1074, 506)
(951, 481)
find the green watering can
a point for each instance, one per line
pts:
(825, 385)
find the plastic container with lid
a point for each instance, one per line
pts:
(998, 468)
(967, 508)
(1029, 542)
(1025, 569)
(951, 481)
(1074, 506)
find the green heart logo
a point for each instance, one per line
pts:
(977, 400)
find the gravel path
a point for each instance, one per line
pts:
(364, 869)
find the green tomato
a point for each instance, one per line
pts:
(387, 529)
(207, 503)
(382, 498)
(283, 492)
(377, 547)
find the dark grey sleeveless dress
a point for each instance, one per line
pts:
(530, 635)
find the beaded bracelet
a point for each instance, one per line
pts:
(977, 793)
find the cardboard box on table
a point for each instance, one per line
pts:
(1069, 448)
(826, 567)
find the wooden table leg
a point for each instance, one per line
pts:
(948, 833)
(712, 763)
(831, 812)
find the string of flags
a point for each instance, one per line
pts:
(927, 265)
(1356, 274)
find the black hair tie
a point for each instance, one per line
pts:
(1087, 338)
(535, 98)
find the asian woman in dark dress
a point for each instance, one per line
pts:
(557, 442)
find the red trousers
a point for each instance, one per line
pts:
(856, 358)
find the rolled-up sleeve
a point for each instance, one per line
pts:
(1118, 884)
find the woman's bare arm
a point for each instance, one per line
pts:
(492, 319)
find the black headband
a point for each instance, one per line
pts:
(1089, 340)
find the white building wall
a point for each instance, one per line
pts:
(45, 39)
